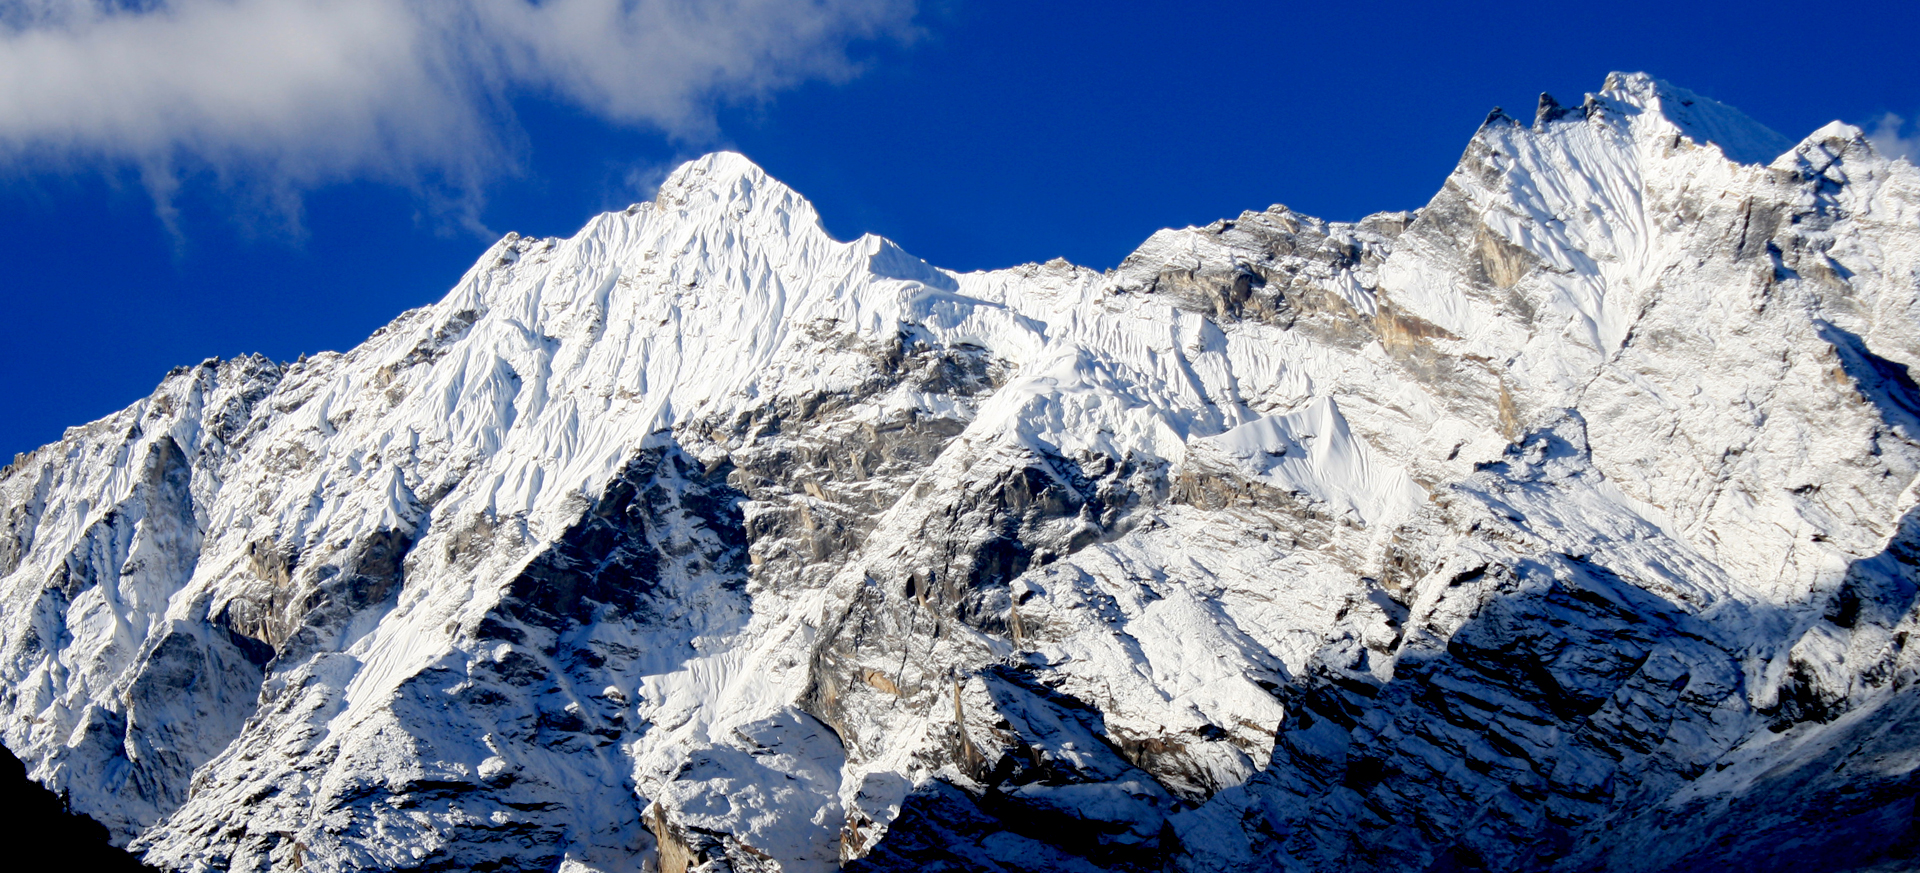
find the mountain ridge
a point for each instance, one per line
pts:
(702, 539)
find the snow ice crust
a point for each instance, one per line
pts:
(704, 539)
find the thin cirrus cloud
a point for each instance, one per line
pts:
(1888, 139)
(280, 96)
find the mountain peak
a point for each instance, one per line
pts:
(1702, 119)
(732, 184)
(1633, 84)
(703, 539)
(715, 170)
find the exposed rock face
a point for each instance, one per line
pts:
(1569, 522)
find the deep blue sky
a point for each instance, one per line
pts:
(1005, 132)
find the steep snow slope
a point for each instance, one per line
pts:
(1579, 502)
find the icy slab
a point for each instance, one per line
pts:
(1314, 453)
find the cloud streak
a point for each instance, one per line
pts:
(280, 96)
(1888, 139)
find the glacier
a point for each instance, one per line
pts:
(1566, 523)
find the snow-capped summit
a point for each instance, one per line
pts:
(1698, 118)
(1567, 522)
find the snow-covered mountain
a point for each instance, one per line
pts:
(1567, 523)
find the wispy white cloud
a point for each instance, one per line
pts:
(1890, 139)
(278, 96)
